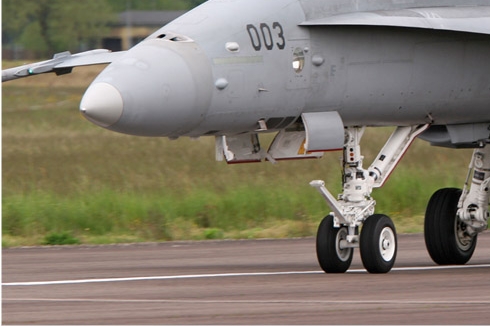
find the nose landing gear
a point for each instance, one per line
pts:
(338, 232)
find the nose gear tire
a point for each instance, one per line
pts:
(378, 244)
(331, 256)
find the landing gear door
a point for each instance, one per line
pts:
(290, 145)
(324, 131)
(244, 148)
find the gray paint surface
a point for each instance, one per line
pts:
(225, 65)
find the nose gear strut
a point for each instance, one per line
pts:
(355, 206)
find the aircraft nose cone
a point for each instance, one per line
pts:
(102, 104)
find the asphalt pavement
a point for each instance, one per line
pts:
(237, 282)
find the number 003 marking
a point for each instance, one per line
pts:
(266, 36)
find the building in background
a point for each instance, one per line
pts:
(130, 28)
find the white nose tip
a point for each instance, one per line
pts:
(102, 104)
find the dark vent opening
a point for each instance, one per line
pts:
(286, 122)
(272, 123)
(279, 123)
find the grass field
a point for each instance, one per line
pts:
(68, 181)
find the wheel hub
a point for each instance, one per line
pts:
(463, 239)
(342, 252)
(387, 244)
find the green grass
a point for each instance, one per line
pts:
(65, 177)
(60, 239)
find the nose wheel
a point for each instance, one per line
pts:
(378, 244)
(333, 256)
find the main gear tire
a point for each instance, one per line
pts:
(445, 234)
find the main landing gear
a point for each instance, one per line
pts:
(454, 217)
(338, 233)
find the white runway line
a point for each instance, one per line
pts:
(196, 276)
(293, 302)
(154, 278)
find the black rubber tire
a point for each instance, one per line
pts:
(331, 258)
(378, 244)
(440, 230)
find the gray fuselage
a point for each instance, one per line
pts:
(227, 64)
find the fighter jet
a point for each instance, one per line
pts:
(316, 73)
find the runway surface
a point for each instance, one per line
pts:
(237, 282)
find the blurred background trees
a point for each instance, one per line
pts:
(45, 27)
